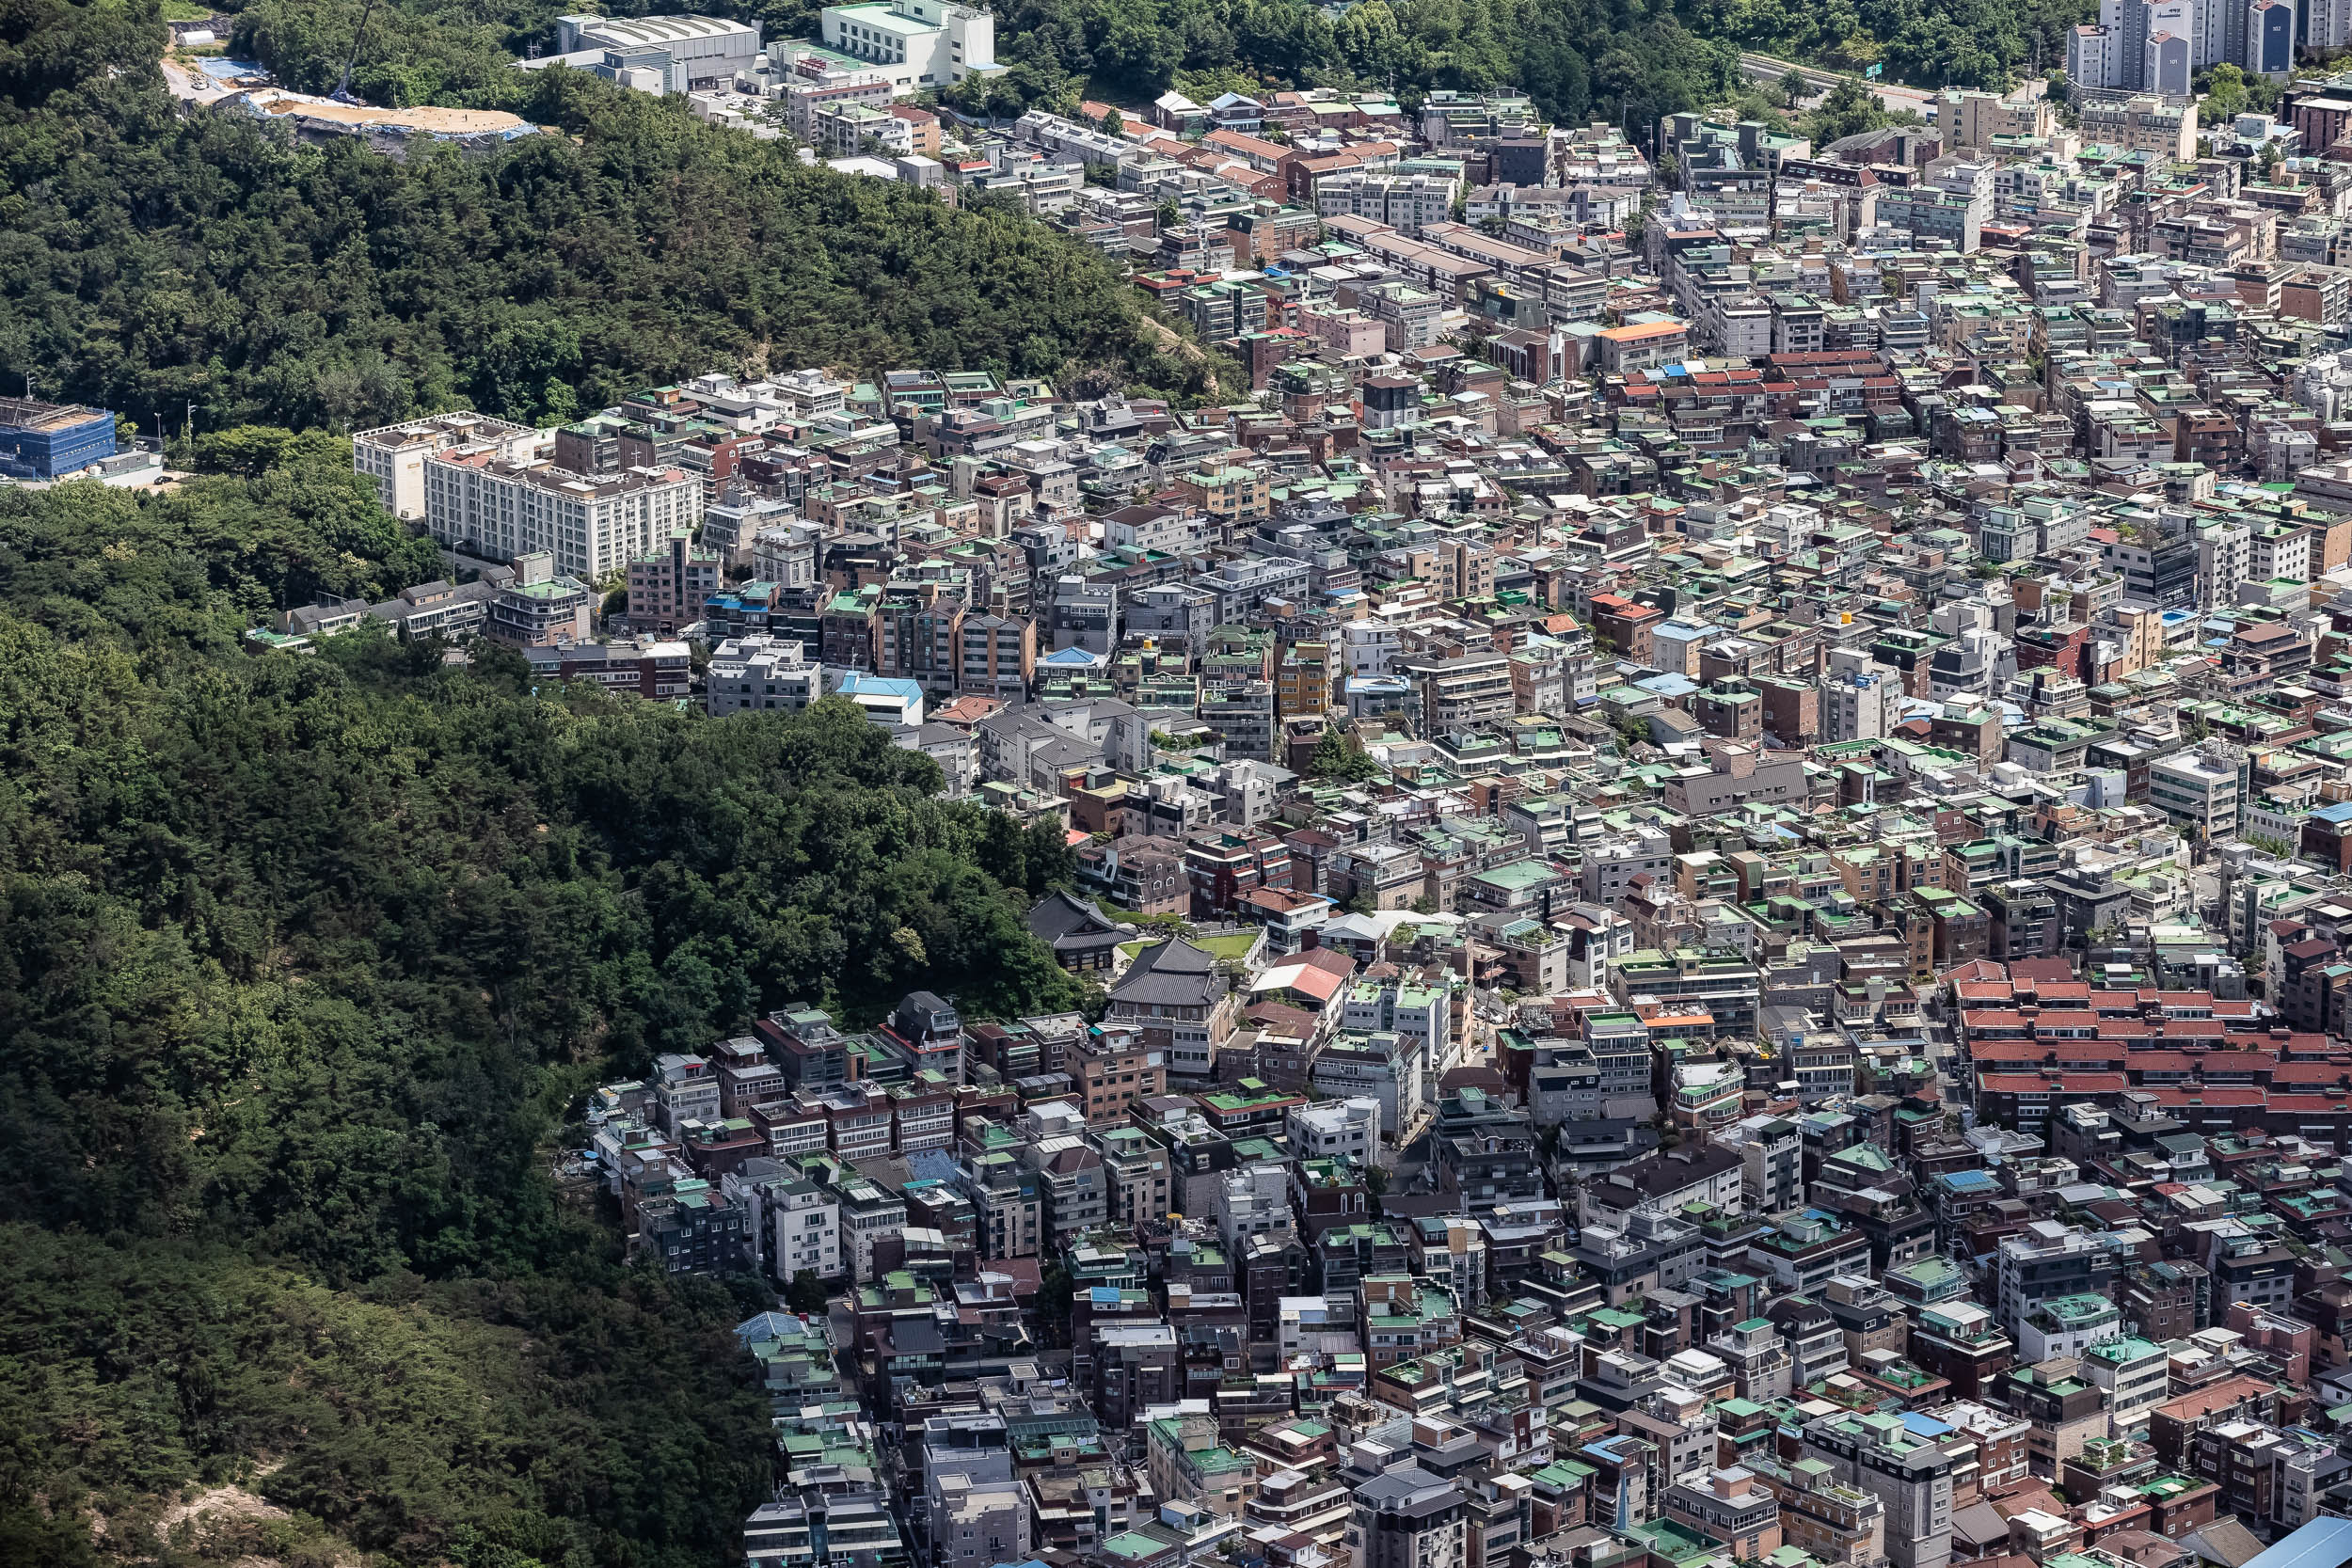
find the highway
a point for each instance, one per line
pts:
(1763, 68)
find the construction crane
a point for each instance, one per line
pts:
(342, 93)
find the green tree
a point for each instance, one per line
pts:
(806, 1293)
(334, 288)
(2225, 95)
(302, 961)
(1848, 109)
(1340, 757)
(1794, 90)
(1055, 1292)
(252, 449)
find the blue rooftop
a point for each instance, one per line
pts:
(2321, 1544)
(857, 683)
(766, 1325)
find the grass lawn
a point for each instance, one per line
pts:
(186, 10)
(1231, 948)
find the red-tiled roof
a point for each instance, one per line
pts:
(2066, 1082)
(2217, 1098)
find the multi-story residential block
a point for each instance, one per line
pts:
(667, 589)
(481, 503)
(1178, 1004)
(394, 456)
(1910, 1475)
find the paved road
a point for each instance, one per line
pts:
(1764, 67)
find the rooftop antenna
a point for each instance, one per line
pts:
(343, 88)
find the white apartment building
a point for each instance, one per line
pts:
(2200, 792)
(2067, 1326)
(785, 553)
(1461, 693)
(1384, 1068)
(1324, 1326)
(2134, 1374)
(1372, 646)
(393, 455)
(1736, 324)
(979, 1522)
(914, 44)
(1611, 865)
(2047, 1262)
(1406, 202)
(1254, 1201)
(1422, 1015)
(808, 1227)
(1861, 706)
(1913, 1479)
(2282, 554)
(759, 673)
(2224, 552)
(478, 500)
(1086, 143)
(1452, 1250)
(2331, 23)
(1409, 315)
(1333, 1127)
(2154, 45)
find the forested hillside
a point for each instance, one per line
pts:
(147, 263)
(302, 961)
(1617, 60)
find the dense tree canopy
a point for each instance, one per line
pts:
(301, 962)
(149, 262)
(1975, 44)
(1340, 758)
(1580, 59)
(304, 962)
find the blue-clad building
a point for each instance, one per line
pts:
(45, 440)
(2270, 38)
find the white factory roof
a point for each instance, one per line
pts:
(661, 29)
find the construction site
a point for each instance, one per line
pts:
(218, 82)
